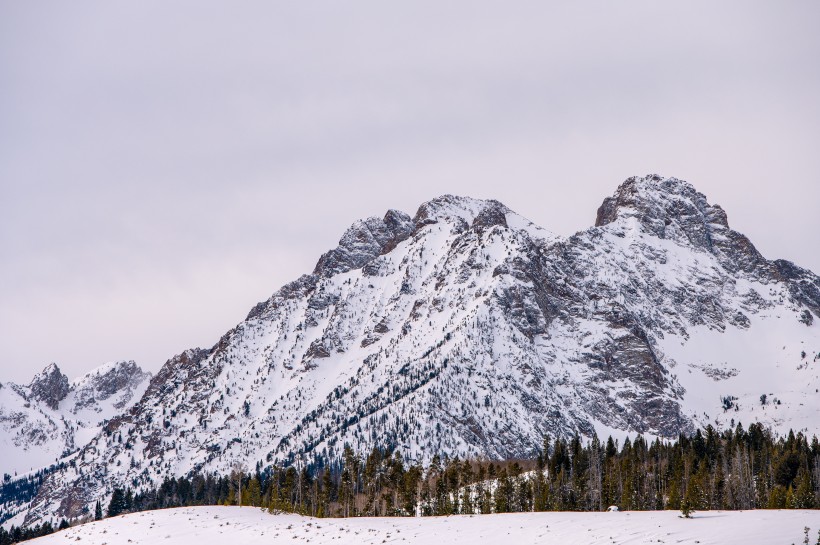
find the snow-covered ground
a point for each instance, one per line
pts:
(220, 525)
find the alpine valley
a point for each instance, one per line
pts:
(463, 330)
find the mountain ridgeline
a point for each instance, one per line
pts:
(51, 417)
(468, 331)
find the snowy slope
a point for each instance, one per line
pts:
(218, 525)
(470, 331)
(51, 417)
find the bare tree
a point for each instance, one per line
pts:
(237, 473)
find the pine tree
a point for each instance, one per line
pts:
(129, 500)
(98, 515)
(252, 495)
(777, 497)
(804, 493)
(117, 504)
(691, 498)
(686, 507)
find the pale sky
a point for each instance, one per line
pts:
(166, 165)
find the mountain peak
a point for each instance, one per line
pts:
(653, 197)
(111, 376)
(50, 386)
(666, 208)
(454, 208)
(369, 238)
(365, 240)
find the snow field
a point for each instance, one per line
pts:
(249, 525)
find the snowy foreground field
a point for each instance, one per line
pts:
(235, 526)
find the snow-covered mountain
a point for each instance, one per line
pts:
(51, 417)
(468, 330)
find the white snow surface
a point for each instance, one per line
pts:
(248, 525)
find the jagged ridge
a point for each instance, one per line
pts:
(51, 417)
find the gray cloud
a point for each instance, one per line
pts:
(163, 166)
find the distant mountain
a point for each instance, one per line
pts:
(51, 417)
(470, 331)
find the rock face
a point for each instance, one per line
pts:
(49, 386)
(468, 330)
(670, 210)
(52, 417)
(364, 241)
(118, 383)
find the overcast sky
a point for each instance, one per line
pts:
(166, 165)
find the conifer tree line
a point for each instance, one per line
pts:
(733, 469)
(17, 534)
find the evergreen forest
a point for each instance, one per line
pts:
(733, 469)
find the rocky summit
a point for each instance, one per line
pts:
(467, 330)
